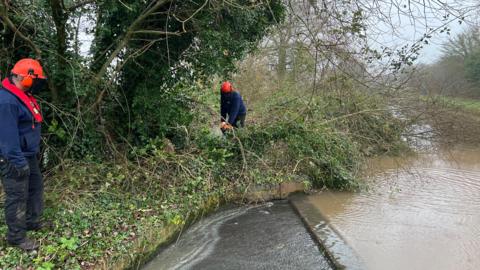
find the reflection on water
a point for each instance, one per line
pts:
(422, 212)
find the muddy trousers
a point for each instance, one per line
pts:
(23, 202)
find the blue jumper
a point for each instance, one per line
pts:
(19, 133)
(231, 105)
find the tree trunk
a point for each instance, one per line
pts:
(282, 58)
(60, 19)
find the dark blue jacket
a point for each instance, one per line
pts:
(19, 133)
(231, 104)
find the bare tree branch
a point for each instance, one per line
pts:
(11, 25)
(79, 5)
(156, 32)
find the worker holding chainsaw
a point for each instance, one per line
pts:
(232, 108)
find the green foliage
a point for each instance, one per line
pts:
(158, 114)
(100, 210)
(324, 157)
(471, 105)
(472, 67)
(156, 83)
(70, 244)
(144, 92)
(46, 266)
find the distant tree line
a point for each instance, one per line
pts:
(457, 71)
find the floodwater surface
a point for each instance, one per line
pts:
(421, 212)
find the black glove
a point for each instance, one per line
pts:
(9, 170)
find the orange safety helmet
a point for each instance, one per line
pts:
(29, 69)
(226, 87)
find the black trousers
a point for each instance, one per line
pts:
(23, 202)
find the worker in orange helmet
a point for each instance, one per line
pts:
(20, 125)
(232, 108)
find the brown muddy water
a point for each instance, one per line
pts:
(420, 212)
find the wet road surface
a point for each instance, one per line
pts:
(269, 236)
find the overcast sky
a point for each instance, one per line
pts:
(407, 34)
(432, 51)
(400, 22)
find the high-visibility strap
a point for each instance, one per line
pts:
(27, 99)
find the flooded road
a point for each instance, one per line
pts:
(421, 212)
(269, 236)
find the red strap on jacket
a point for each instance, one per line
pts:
(26, 99)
